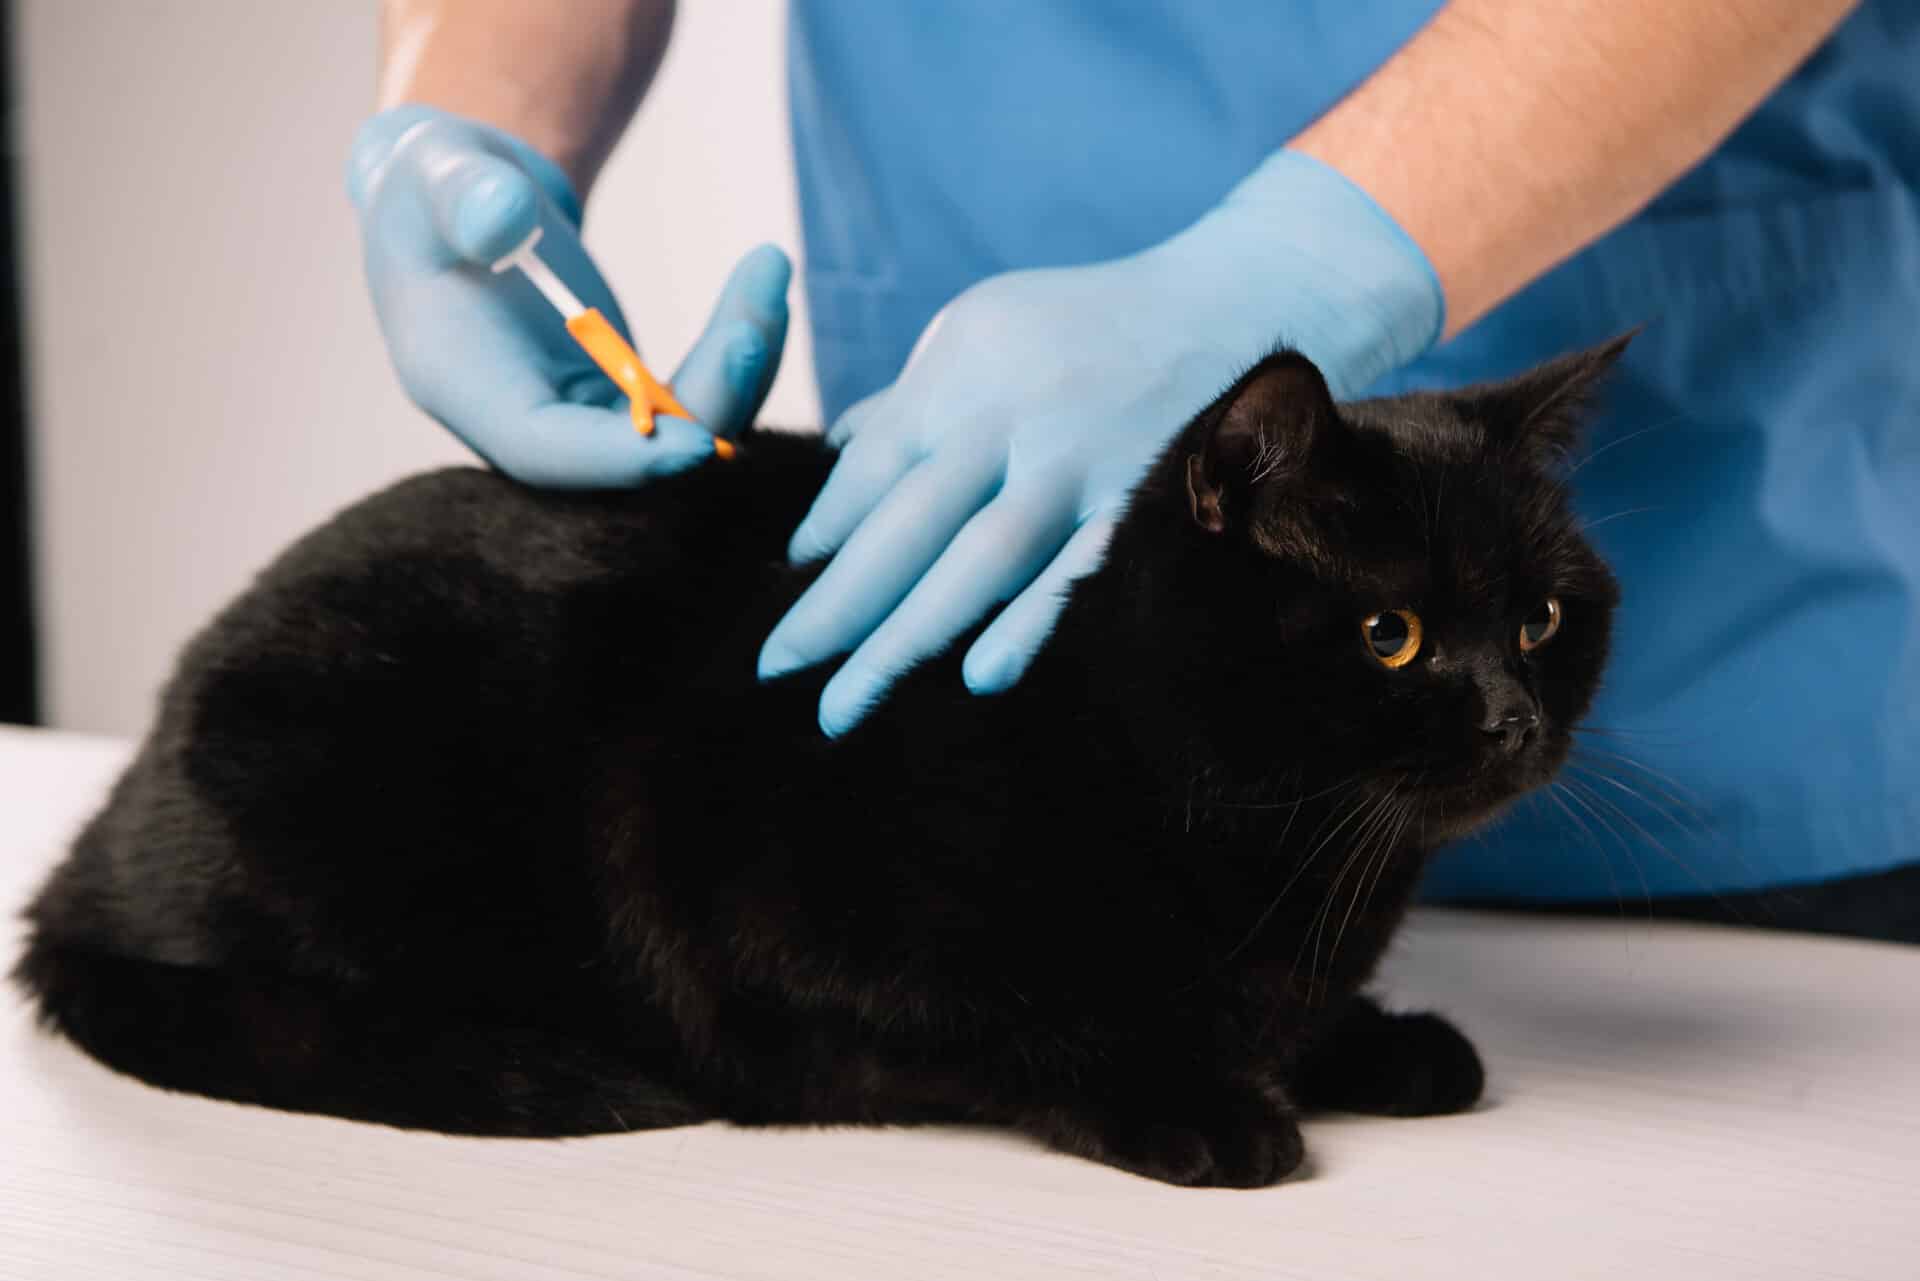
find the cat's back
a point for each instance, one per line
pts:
(375, 734)
(449, 567)
(460, 601)
(457, 518)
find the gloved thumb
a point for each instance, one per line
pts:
(482, 205)
(727, 374)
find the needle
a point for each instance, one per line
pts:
(600, 340)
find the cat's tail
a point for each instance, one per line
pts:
(306, 1046)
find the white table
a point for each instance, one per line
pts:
(1666, 1102)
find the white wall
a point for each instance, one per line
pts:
(206, 377)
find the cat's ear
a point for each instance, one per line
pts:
(1543, 409)
(1263, 429)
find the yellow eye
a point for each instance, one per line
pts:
(1540, 626)
(1392, 637)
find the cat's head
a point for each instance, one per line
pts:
(1392, 593)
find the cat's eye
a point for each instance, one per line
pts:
(1392, 636)
(1540, 625)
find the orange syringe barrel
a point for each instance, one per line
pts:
(620, 362)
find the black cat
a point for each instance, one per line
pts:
(471, 815)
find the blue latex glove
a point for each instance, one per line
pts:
(440, 199)
(994, 468)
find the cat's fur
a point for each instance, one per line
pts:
(470, 814)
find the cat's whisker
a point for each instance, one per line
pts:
(1346, 816)
(1658, 777)
(1387, 815)
(1267, 457)
(1643, 734)
(1326, 899)
(1277, 805)
(1300, 870)
(1606, 862)
(1287, 828)
(1377, 865)
(1568, 786)
(613, 1111)
(1592, 525)
(1683, 864)
(1375, 868)
(1616, 443)
(1684, 820)
(1408, 811)
(1363, 839)
(1684, 817)
(1615, 731)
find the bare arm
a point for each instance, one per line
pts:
(565, 77)
(1509, 134)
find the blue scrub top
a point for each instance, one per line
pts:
(1755, 479)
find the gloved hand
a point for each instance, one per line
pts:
(994, 468)
(440, 200)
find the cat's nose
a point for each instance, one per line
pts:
(1512, 722)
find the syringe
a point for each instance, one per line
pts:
(600, 340)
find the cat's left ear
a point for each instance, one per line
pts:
(1263, 429)
(1543, 409)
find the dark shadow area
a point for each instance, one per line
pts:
(18, 701)
(1881, 905)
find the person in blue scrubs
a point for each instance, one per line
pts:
(1040, 234)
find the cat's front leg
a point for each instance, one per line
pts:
(1367, 1060)
(1193, 1131)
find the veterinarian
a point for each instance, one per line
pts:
(1092, 214)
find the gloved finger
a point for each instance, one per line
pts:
(885, 557)
(860, 479)
(483, 206)
(727, 374)
(495, 390)
(372, 147)
(855, 419)
(1000, 656)
(998, 552)
(560, 446)
(381, 135)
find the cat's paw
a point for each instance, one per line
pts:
(1241, 1144)
(1224, 1157)
(1391, 1065)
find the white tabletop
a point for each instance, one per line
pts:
(1665, 1102)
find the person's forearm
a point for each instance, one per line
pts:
(1509, 134)
(563, 77)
